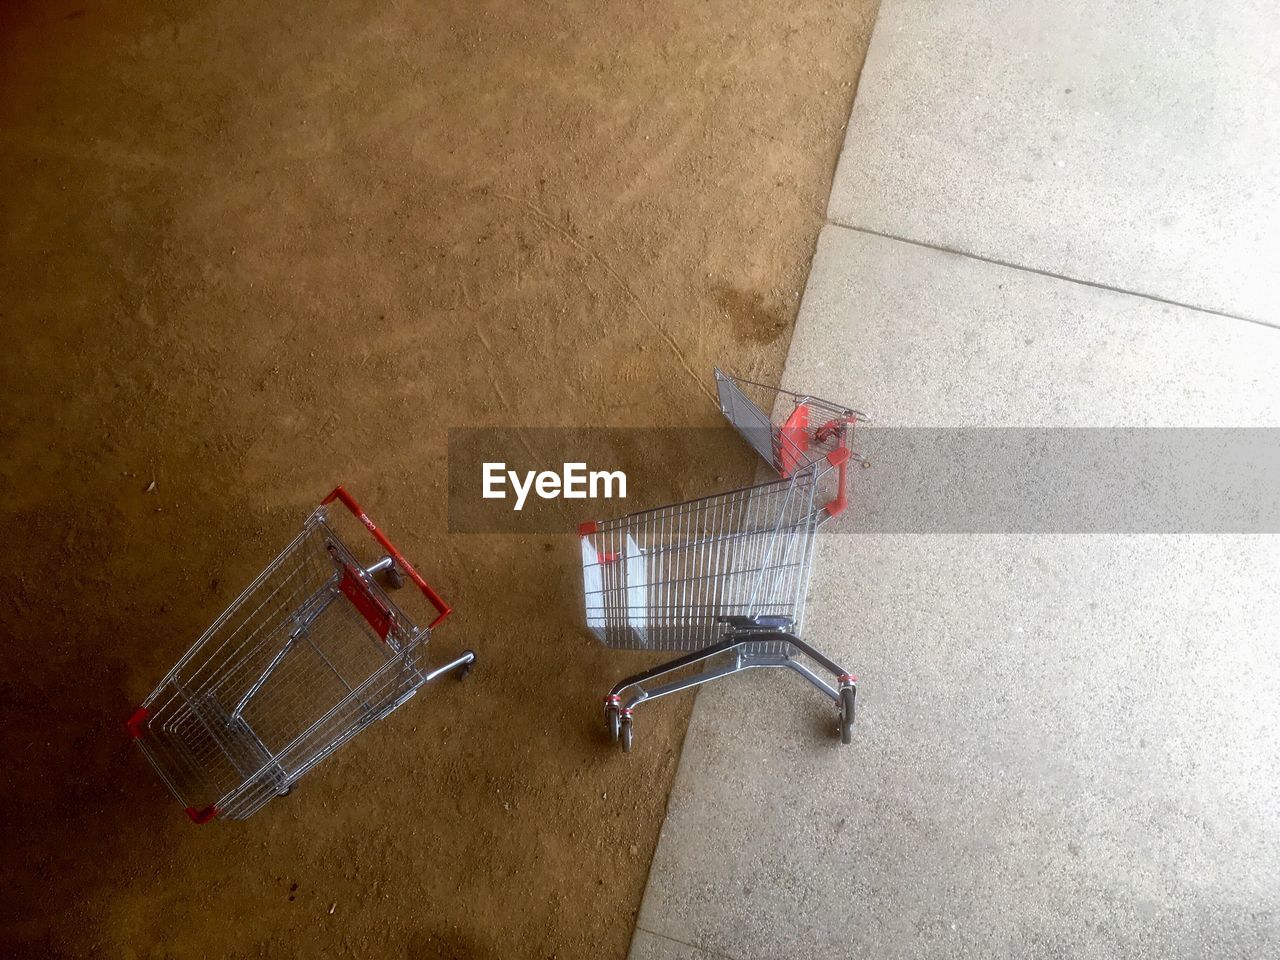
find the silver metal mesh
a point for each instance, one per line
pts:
(294, 668)
(724, 579)
(666, 579)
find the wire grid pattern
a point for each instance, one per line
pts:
(665, 579)
(818, 430)
(287, 674)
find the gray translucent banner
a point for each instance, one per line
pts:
(934, 480)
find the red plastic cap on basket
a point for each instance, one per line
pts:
(135, 722)
(846, 678)
(202, 816)
(587, 528)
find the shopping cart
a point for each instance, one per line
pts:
(310, 654)
(725, 577)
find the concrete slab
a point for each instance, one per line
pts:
(1131, 145)
(921, 337)
(649, 946)
(1066, 747)
(1066, 744)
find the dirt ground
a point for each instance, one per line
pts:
(251, 250)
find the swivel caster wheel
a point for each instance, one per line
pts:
(847, 695)
(625, 734)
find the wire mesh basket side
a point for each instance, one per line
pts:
(298, 663)
(381, 694)
(667, 578)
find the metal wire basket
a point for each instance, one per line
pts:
(311, 653)
(726, 577)
(670, 578)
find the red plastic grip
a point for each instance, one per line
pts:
(829, 429)
(839, 458)
(348, 501)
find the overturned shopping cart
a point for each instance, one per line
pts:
(724, 578)
(311, 653)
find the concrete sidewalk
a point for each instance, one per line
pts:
(1119, 142)
(1067, 745)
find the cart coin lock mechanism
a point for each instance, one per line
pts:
(310, 654)
(724, 578)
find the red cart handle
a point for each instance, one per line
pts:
(442, 608)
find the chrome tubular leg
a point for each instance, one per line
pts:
(461, 663)
(813, 678)
(684, 683)
(750, 651)
(671, 666)
(378, 566)
(825, 662)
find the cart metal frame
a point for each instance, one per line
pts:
(725, 578)
(313, 651)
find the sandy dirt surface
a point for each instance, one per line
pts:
(251, 250)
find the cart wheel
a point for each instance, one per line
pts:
(395, 579)
(286, 791)
(625, 732)
(846, 713)
(613, 719)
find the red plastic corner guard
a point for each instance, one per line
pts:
(587, 528)
(202, 816)
(793, 440)
(135, 722)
